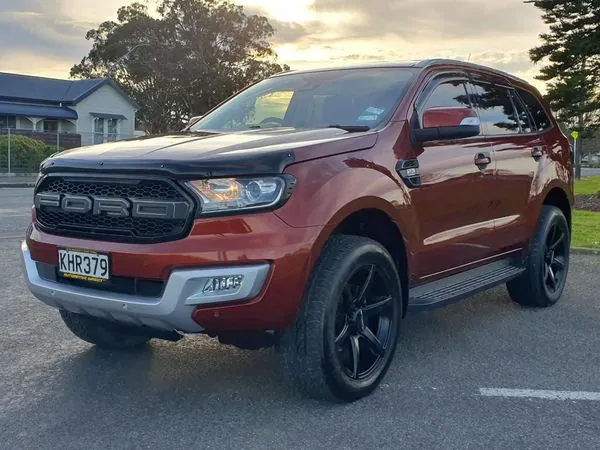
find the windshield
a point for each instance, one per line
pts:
(362, 98)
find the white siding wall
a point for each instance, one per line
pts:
(66, 126)
(104, 100)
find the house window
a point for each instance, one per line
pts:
(50, 126)
(112, 129)
(8, 122)
(98, 130)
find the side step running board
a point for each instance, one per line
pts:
(448, 290)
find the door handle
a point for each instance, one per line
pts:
(482, 159)
(537, 153)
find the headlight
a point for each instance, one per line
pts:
(220, 195)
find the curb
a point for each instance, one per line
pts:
(585, 251)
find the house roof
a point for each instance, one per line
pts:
(25, 88)
(50, 112)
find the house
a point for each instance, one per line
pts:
(70, 112)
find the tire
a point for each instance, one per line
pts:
(103, 334)
(333, 308)
(543, 282)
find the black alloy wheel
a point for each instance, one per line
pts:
(364, 323)
(555, 259)
(545, 277)
(345, 334)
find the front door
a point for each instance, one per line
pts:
(452, 204)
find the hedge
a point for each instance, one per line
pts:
(26, 153)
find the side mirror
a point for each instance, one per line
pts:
(191, 122)
(447, 124)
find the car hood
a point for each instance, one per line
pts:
(211, 154)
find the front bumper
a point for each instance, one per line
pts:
(218, 243)
(184, 291)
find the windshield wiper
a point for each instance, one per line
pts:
(351, 128)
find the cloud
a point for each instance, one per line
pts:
(514, 62)
(285, 31)
(492, 33)
(21, 5)
(44, 35)
(413, 20)
(34, 31)
(35, 63)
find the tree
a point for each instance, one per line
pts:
(571, 53)
(187, 59)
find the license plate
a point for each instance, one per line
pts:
(84, 265)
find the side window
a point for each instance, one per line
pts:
(539, 116)
(448, 94)
(522, 114)
(496, 111)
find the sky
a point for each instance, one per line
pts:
(47, 37)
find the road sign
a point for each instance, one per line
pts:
(575, 134)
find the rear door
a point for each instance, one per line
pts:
(452, 203)
(517, 150)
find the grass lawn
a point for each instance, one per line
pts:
(586, 229)
(587, 186)
(586, 224)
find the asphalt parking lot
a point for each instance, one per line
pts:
(444, 389)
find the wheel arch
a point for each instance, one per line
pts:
(557, 196)
(374, 220)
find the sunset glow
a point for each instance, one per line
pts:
(47, 38)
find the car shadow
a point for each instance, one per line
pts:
(198, 377)
(199, 369)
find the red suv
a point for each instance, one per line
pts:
(310, 211)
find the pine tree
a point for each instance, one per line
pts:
(570, 54)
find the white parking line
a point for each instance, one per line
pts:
(540, 393)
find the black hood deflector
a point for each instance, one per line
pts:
(190, 155)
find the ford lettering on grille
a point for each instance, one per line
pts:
(115, 207)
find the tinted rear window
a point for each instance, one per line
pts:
(495, 108)
(522, 114)
(536, 110)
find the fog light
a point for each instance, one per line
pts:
(226, 284)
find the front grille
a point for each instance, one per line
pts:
(108, 227)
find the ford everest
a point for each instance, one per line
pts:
(310, 211)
